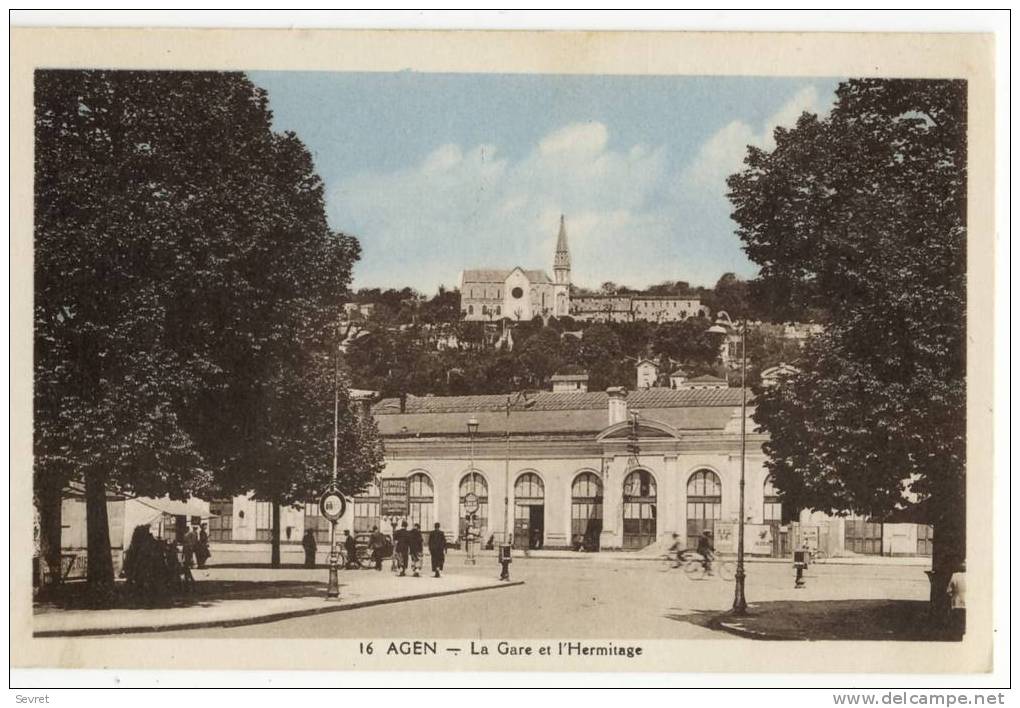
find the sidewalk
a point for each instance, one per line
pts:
(225, 597)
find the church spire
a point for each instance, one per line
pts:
(561, 263)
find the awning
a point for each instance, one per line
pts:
(192, 507)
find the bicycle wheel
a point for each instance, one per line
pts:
(694, 569)
(727, 571)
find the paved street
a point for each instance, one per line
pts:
(586, 598)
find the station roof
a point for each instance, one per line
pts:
(546, 412)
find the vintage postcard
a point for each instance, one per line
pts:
(502, 351)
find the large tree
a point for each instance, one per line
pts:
(186, 289)
(862, 215)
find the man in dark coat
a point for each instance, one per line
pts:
(415, 544)
(202, 553)
(437, 549)
(351, 548)
(400, 547)
(377, 543)
(310, 546)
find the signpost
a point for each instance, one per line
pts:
(333, 506)
(394, 497)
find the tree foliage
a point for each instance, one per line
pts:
(186, 288)
(862, 215)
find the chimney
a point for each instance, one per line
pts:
(617, 404)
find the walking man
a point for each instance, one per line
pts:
(203, 553)
(437, 549)
(377, 543)
(400, 541)
(310, 546)
(415, 542)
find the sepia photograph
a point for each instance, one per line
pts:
(580, 367)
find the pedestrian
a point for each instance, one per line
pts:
(400, 541)
(437, 549)
(309, 544)
(957, 591)
(351, 547)
(202, 554)
(377, 542)
(415, 544)
(190, 546)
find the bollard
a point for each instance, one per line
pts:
(504, 561)
(799, 563)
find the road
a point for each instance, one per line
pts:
(585, 599)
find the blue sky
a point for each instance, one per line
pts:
(439, 172)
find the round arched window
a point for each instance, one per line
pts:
(517, 293)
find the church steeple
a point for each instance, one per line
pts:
(561, 262)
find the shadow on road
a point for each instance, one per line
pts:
(822, 620)
(204, 593)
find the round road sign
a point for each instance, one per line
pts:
(471, 502)
(332, 505)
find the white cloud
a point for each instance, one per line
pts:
(723, 153)
(500, 212)
(630, 218)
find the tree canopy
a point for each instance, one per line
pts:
(862, 215)
(187, 287)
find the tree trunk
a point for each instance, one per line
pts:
(949, 546)
(49, 499)
(275, 558)
(100, 557)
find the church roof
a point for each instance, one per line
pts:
(499, 275)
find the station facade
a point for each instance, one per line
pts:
(585, 470)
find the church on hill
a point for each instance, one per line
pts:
(490, 294)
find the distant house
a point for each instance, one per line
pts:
(569, 382)
(704, 382)
(677, 378)
(647, 373)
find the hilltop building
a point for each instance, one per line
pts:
(489, 294)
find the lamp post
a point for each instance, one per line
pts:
(723, 325)
(472, 426)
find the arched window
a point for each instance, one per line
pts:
(366, 510)
(474, 483)
(586, 511)
(421, 498)
(529, 486)
(639, 509)
(772, 512)
(704, 504)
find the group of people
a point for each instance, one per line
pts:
(409, 546)
(706, 549)
(151, 566)
(196, 546)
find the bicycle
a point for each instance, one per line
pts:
(723, 569)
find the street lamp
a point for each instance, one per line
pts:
(723, 325)
(472, 426)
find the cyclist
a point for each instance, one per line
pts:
(706, 550)
(676, 551)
